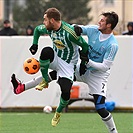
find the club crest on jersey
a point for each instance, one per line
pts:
(59, 44)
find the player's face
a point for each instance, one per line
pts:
(103, 27)
(48, 23)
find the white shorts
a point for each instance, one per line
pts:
(96, 80)
(63, 68)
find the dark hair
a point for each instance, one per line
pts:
(130, 24)
(112, 18)
(29, 27)
(6, 21)
(53, 13)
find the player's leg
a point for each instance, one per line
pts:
(19, 87)
(65, 85)
(65, 72)
(46, 57)
(106, 116)
(34, 82)
(98, 86)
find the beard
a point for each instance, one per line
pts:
(50, 26)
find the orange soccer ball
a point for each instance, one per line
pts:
(31, 65)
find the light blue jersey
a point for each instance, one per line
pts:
(100, 49)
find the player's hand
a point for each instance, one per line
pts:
(82, 68)
(78, 30)
(33, 49)
(84, 56)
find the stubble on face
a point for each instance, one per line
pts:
(48, 24)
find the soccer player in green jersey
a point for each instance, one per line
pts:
(63, 57)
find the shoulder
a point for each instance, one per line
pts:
(40, 27)
(125, 33)
(90, 28)
(67, 26)
(69, 29)
(94, 27)
(113, 41)
(1, 30)
(13, 30)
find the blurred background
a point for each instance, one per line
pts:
(22, 13)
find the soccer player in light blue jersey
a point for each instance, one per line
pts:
(102, 50)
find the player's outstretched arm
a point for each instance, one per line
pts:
(39, 30)
(33, 49)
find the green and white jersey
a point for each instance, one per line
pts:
(65, 41)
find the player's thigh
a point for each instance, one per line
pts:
(63, 68)
(83, 78)
(54, 64)
(98, 83)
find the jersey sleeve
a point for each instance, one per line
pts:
(111, 52)
(84, 30)
(104, 66)
(89, 30)
(39, 30)
(78, 40)
(107, 60)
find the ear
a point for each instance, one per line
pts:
(109, 25)
(52, 20)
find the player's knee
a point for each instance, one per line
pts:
(65, 96)
(65, 85)
(47, 53)
(102, 112)
(100, 105)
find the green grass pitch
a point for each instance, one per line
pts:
(69, 123)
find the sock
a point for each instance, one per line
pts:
(34, 82)
(62, 104)
(44, 65)
(109, 122)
